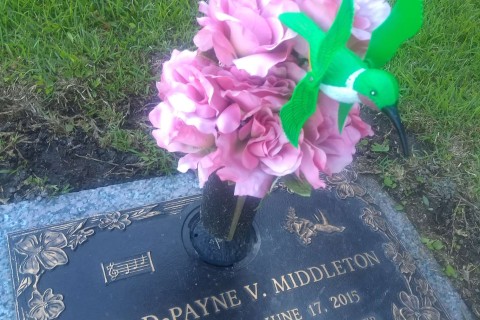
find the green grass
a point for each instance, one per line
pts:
(78, 64)
(440, 73)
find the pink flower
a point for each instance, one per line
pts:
(369, 14)
(257, 153)
(268, 147)
(246, 33)
(252, 92)
(184, 84)
(212, 98)
(324, 148)
(174, 135)
(223, 114)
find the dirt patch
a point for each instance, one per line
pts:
(36, 161)
(46, 166)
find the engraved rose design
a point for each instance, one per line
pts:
(114, 220)
(45, 251)
(414, 311)
(45, 306)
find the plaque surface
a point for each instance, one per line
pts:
(329, 256)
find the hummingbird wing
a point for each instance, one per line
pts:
(343, 110)
(335, 39)
(322, 46)
(304, 99)
(307, 29)
(403, 23)
(300, 107)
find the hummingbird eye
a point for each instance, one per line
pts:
(373, 93)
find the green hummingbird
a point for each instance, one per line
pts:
(341, 74)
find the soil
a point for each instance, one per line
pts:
(43, 165)
(47, 164)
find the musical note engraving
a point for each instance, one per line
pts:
(139, 264)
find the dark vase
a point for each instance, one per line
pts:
(223, 234)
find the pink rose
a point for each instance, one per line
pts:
(330, 150)
(174, 135)
(186, 87)
(257, 153)
(369, 14)
(213, 98)
(313, 162)
(246, 33)
(268, 147)
(252, 92)
(204, 164)
(245, 94)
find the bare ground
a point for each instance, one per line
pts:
(44, 162)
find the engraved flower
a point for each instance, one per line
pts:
(45, 307)
(79, 237)
(45, 251)
(374, 219)
(346, 186)
(407, 265)
(76, 235)
(404, 261)
(414, 311)
(424, 288)
(396, 313)
(391, 251)
(114, 220)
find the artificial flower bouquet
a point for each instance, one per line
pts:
(220, 104)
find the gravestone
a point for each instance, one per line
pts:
(330, 256)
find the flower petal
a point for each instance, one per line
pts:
(429, 313)
(36, 298)
(30, 265)
(203, 39)
(36, 304)
(229, 119)
(104, 222)
(28, 245)
(408, 314)
(52, 257)
(54, 308)
(257, 185)
(54, 239)
(410, 301)
(223, 49)
(259, 64)
(38, 313)
(313, 161)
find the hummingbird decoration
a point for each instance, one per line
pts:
(341, 74)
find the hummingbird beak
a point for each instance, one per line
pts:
(392, 113)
